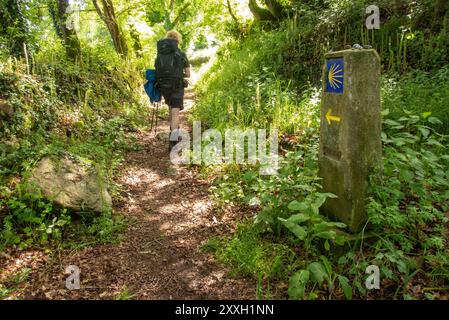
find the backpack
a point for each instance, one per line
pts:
(169, 64)
(150, 88)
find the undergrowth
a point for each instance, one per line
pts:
(406, 236)
(287, 242)
(88, 111)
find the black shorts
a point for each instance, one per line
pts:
(174, 98)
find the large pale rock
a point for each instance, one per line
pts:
(72, 184)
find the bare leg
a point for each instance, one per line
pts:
(174, 119)
(174, 123)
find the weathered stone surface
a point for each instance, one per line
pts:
(72, 184)
(350, 146)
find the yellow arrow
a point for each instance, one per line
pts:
(330, 117)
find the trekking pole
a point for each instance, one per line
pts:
(152, 118)
(157, 112)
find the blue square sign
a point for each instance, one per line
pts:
(335, 75)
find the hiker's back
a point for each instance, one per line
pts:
(172, 66)
(169, 64)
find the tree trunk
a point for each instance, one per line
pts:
(260, 13)
(275, 8)
(58, 11)
(11, 16)
(107, 14)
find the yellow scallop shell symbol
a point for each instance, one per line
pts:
(335, 76)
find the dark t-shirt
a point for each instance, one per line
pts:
(184, 58)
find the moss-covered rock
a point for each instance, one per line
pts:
(72, 184)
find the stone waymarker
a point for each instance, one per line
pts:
(350, 145)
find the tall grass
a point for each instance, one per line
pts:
(419, 92)
(268, 78)
(244, 89)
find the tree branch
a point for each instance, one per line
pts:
(136, 6)
(172, 6)
(181, 11)
(228, 2)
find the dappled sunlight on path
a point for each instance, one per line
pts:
(160, 256)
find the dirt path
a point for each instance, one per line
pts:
(160, 257)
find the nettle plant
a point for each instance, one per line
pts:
(317, 274)
(308, 225)
(408, 206)
(311, 228)
(290, 204)
(31, 219)
(411, 204)
(291, 201)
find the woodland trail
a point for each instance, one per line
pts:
(160, 257)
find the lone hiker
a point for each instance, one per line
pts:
(172, 66)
